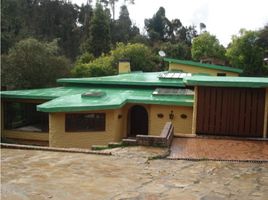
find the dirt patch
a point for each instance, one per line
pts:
(127, 174)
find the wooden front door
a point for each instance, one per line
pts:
(138, 121)
(235, 112)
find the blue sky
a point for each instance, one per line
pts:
(223, 18)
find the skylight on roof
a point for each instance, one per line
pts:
(174, 75)
(172, 91)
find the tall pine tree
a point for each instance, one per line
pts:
(100, 38)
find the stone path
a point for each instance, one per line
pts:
(128, 175)
(219, 149)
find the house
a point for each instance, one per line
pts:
(95, 111)
(203, 68)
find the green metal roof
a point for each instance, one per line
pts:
(226, 81)
(134, 79)
(44, 94)
(71, 99)
(114, 98)
(198, 64)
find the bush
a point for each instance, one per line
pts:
(101, 66)
(141, 59)
(33, 64)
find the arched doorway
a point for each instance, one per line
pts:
(138, 121)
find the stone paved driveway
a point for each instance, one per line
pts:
(219, 149)
(126, 175)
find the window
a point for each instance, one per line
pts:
(174, 75)
(221, 74)
(24, 117)
(85, 122)
(172, 92)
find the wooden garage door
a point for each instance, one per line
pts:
(230, 111)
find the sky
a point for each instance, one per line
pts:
(222, 18)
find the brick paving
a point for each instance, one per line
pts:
(219, 149)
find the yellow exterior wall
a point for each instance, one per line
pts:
(59, 138)
(124, 67)
(25, 135)
(196, 69)
(117, 126)
(195, 111)
(181, 126)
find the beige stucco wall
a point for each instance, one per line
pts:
(195, 69)
(117, 127)
(25, 135)
(124, 67)
(181, 126)
(195, 111)
(59, 138)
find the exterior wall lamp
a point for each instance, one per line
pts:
(171, 115)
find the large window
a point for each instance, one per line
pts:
(85, 122)
(24, 117)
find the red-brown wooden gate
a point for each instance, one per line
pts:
(237, 112)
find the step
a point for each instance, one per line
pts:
(129, 141)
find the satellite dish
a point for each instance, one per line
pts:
(162, 53)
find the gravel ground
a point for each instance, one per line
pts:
(127, 174)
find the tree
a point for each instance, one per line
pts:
(262, 39)
(244, 52)
(57, 19)
(157, 25)
(13, 25)
(33, 64)
(122, 29)
(84, 18)
(112, 4)
(100, 38)
(141, 59)
(177, 50)
(42, 19)
(161, 29)
(101, 66)
(202, 27)
(207, 46)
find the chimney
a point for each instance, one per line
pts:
(124, 66)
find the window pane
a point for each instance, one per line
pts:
(85, 122)
(24, 117)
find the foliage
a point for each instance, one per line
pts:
(122, 29)
(245, 52)
(207, 46)
(43, 19)
(156, 26)
(161, 29)
(141, 59)
(84, 19)
(33, 64)
(262, 39)
(85, 58)
(100, 40)
(177, 50)
(101, 66)
(112, 4)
